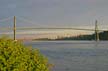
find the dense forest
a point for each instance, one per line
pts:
(102, 36)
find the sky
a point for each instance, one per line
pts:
(54, 13)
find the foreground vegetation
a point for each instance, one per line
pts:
(14, 56)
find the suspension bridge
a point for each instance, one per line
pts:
(96, 29)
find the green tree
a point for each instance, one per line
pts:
(14, 56)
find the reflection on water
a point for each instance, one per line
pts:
(75, 55)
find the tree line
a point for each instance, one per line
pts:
(102, 36)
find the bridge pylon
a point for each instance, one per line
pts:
(14, 28)
(96, 31)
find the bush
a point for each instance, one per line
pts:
(14, 56)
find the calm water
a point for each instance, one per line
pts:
(74, 55)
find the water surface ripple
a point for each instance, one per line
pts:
(74, 55)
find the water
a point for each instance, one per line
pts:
(74, 55)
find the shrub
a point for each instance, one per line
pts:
(14, 56)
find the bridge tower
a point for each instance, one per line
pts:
(14, 28)
(96, 31)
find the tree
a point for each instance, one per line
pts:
(14, 56)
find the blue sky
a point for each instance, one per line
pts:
(56, 13)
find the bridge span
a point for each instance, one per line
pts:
(96, 29)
